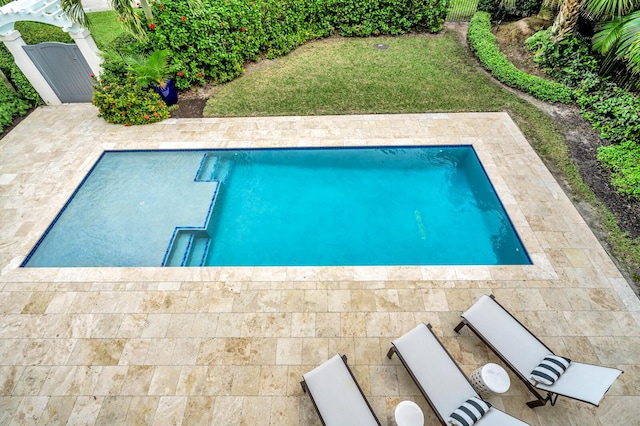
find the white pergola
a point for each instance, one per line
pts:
(47, 12)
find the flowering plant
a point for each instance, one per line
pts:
(127, 103)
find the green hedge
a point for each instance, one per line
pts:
(215, 43)
(483, 43)
(17, 100)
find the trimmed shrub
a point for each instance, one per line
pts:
(126, 103)
(483, 43)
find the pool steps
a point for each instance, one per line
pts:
(189, 245)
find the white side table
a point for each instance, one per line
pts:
(407, 413)
(489, 379)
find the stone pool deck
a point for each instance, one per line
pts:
(228, 346)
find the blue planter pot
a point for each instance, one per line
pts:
(169, 94)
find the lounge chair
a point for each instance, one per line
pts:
(521, 351)
(439, 378)
(336, 395)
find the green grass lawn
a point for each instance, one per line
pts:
(105, 26)
(351, 76)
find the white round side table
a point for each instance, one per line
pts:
(407, 413)
(490, 378)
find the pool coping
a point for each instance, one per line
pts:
(541, 269)
(508, 165)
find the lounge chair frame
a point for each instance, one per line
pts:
(393, 350)
(541, 399)
(305, 389)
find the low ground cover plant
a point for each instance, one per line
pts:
(624, 161)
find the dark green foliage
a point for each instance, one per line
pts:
(483, 43)
(14, 103)
(364, 18)
(522, 8)
(610, 109)
(11, 105)
(567, 61)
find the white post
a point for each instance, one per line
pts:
(88, 48)
(13, 41)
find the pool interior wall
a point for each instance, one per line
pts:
(283, 207)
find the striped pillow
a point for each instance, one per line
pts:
(469, 412)
(550, 369)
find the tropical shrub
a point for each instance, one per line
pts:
(611, 110)
(517, 8)
(624, 162)
(125, 102)
(483, 43)
(567, 61)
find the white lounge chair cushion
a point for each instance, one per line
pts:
(524, 351)
(434, 369)
(550, 369)
(337, 396)
(584, 382)
(440, 377)
(469, 412)
(506, 335)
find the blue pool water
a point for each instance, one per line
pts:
(276, 207)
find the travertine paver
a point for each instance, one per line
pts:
(225, 346)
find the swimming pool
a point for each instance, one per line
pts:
(283, 207)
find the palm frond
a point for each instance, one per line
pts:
(610, 9)
(619, 41)
(634, 56)
(608, 35)
(130, 18)
(74, 10)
